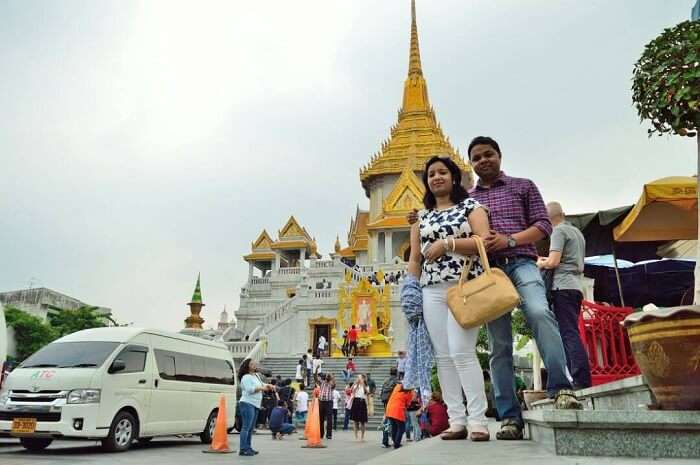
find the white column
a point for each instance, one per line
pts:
(302, 257)
(250, 271)
(388, 247)
(373, 248)
(277, 262)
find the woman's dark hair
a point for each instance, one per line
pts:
(483, 140)
(458, 192)
(244, 369)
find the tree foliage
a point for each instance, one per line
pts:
(666, 81)
(31, 333)
(70, 321)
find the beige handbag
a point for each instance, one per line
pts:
(484, 298)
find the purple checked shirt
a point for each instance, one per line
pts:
(514, 205)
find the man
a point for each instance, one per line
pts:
(321, 345)
(325, 409)
(567, 250)
(309, 367)
(518, 219)
(336, 403)
(278, 425)
(344, 348)
(318, 368)
(352, 341)
(348, 405)
(372, 386)
(387, 389)
(401, 363)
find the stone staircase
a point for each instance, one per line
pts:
(377, 367)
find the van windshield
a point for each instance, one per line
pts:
(71, 355)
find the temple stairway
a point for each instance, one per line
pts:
(377, 367)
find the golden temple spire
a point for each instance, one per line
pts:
(414, 66)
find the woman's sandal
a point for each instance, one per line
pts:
(479, 436)
(510, 430)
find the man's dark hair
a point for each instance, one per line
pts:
(483, 140)
(458, 192)
(281, 403)
(302, 386)
(353, 326)
(393, 371)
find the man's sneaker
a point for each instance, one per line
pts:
(511, 430)
(566, 400)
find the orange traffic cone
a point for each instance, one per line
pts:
(219, 443)
(312, 431)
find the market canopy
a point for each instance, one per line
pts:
(666, 211)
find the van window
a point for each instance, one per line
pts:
(87, 354)
(179, 366)
(166, 364)
(134, 357)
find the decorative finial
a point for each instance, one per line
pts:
(414, 65)
(197, 296)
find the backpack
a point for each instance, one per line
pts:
(388, 388)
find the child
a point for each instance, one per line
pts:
(396, 412)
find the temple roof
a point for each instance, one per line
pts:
(417, 136)
(261, 248)
(292, 236)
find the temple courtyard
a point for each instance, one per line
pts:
(342, 450)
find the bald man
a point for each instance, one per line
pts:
(567, 250)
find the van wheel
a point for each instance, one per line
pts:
(123, 431)
(35, 444)
(208, 433)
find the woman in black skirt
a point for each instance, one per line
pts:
(358, 411)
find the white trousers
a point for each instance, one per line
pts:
(455, 354)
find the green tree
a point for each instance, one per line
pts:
(31, 333)
(69, 321)
(666, 89)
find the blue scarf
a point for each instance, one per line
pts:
(419, 359)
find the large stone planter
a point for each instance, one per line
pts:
(666, 345)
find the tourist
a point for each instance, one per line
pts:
(286, 394)
(309, 367)
(437, 414)
(251, 399)
(440, 243)
(325, 399)
(567, 249)
(358, 411)
(269, 401)
(349, 370)
(372, 386)
(348, 405)
(318, 368)
(278, 424)
(401, 364)
(385, 394)
(352, 341)
(301, 406)
(301, 366)
(321, 345)
(399, 401)
(336, 403)
(412, 413)
(344, 348)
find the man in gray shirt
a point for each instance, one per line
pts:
(566, 253)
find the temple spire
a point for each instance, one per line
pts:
(414, 66)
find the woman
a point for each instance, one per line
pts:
(358, 411)
(299, 375)
(437, 415)
(442, 239)
(251, 398)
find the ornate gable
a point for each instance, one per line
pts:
(293, 230)
(406, 195)
(263, 242)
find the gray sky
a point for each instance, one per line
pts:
(143, 142)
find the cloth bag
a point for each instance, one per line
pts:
(484, 298)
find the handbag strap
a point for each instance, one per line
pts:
(484, 259)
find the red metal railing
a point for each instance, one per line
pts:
(606, 341)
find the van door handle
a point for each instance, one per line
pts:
(156, 383)
(142, 381)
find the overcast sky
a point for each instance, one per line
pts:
(144, 142)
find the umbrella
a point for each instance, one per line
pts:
(666, 211)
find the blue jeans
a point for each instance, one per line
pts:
(286, 428)
(398, 428)
(567, 306)
(299, 417)
(346, 419)
(248, 414)
(527, 280)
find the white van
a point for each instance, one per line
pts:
(118, 385)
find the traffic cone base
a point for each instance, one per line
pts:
(219, 442)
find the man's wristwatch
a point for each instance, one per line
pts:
(511, 242)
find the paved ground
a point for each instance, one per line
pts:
(342, 450)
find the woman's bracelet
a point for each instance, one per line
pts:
(446, 244)
(454, 244)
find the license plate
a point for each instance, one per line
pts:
(24, 425)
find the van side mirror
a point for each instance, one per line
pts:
(117, 366)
